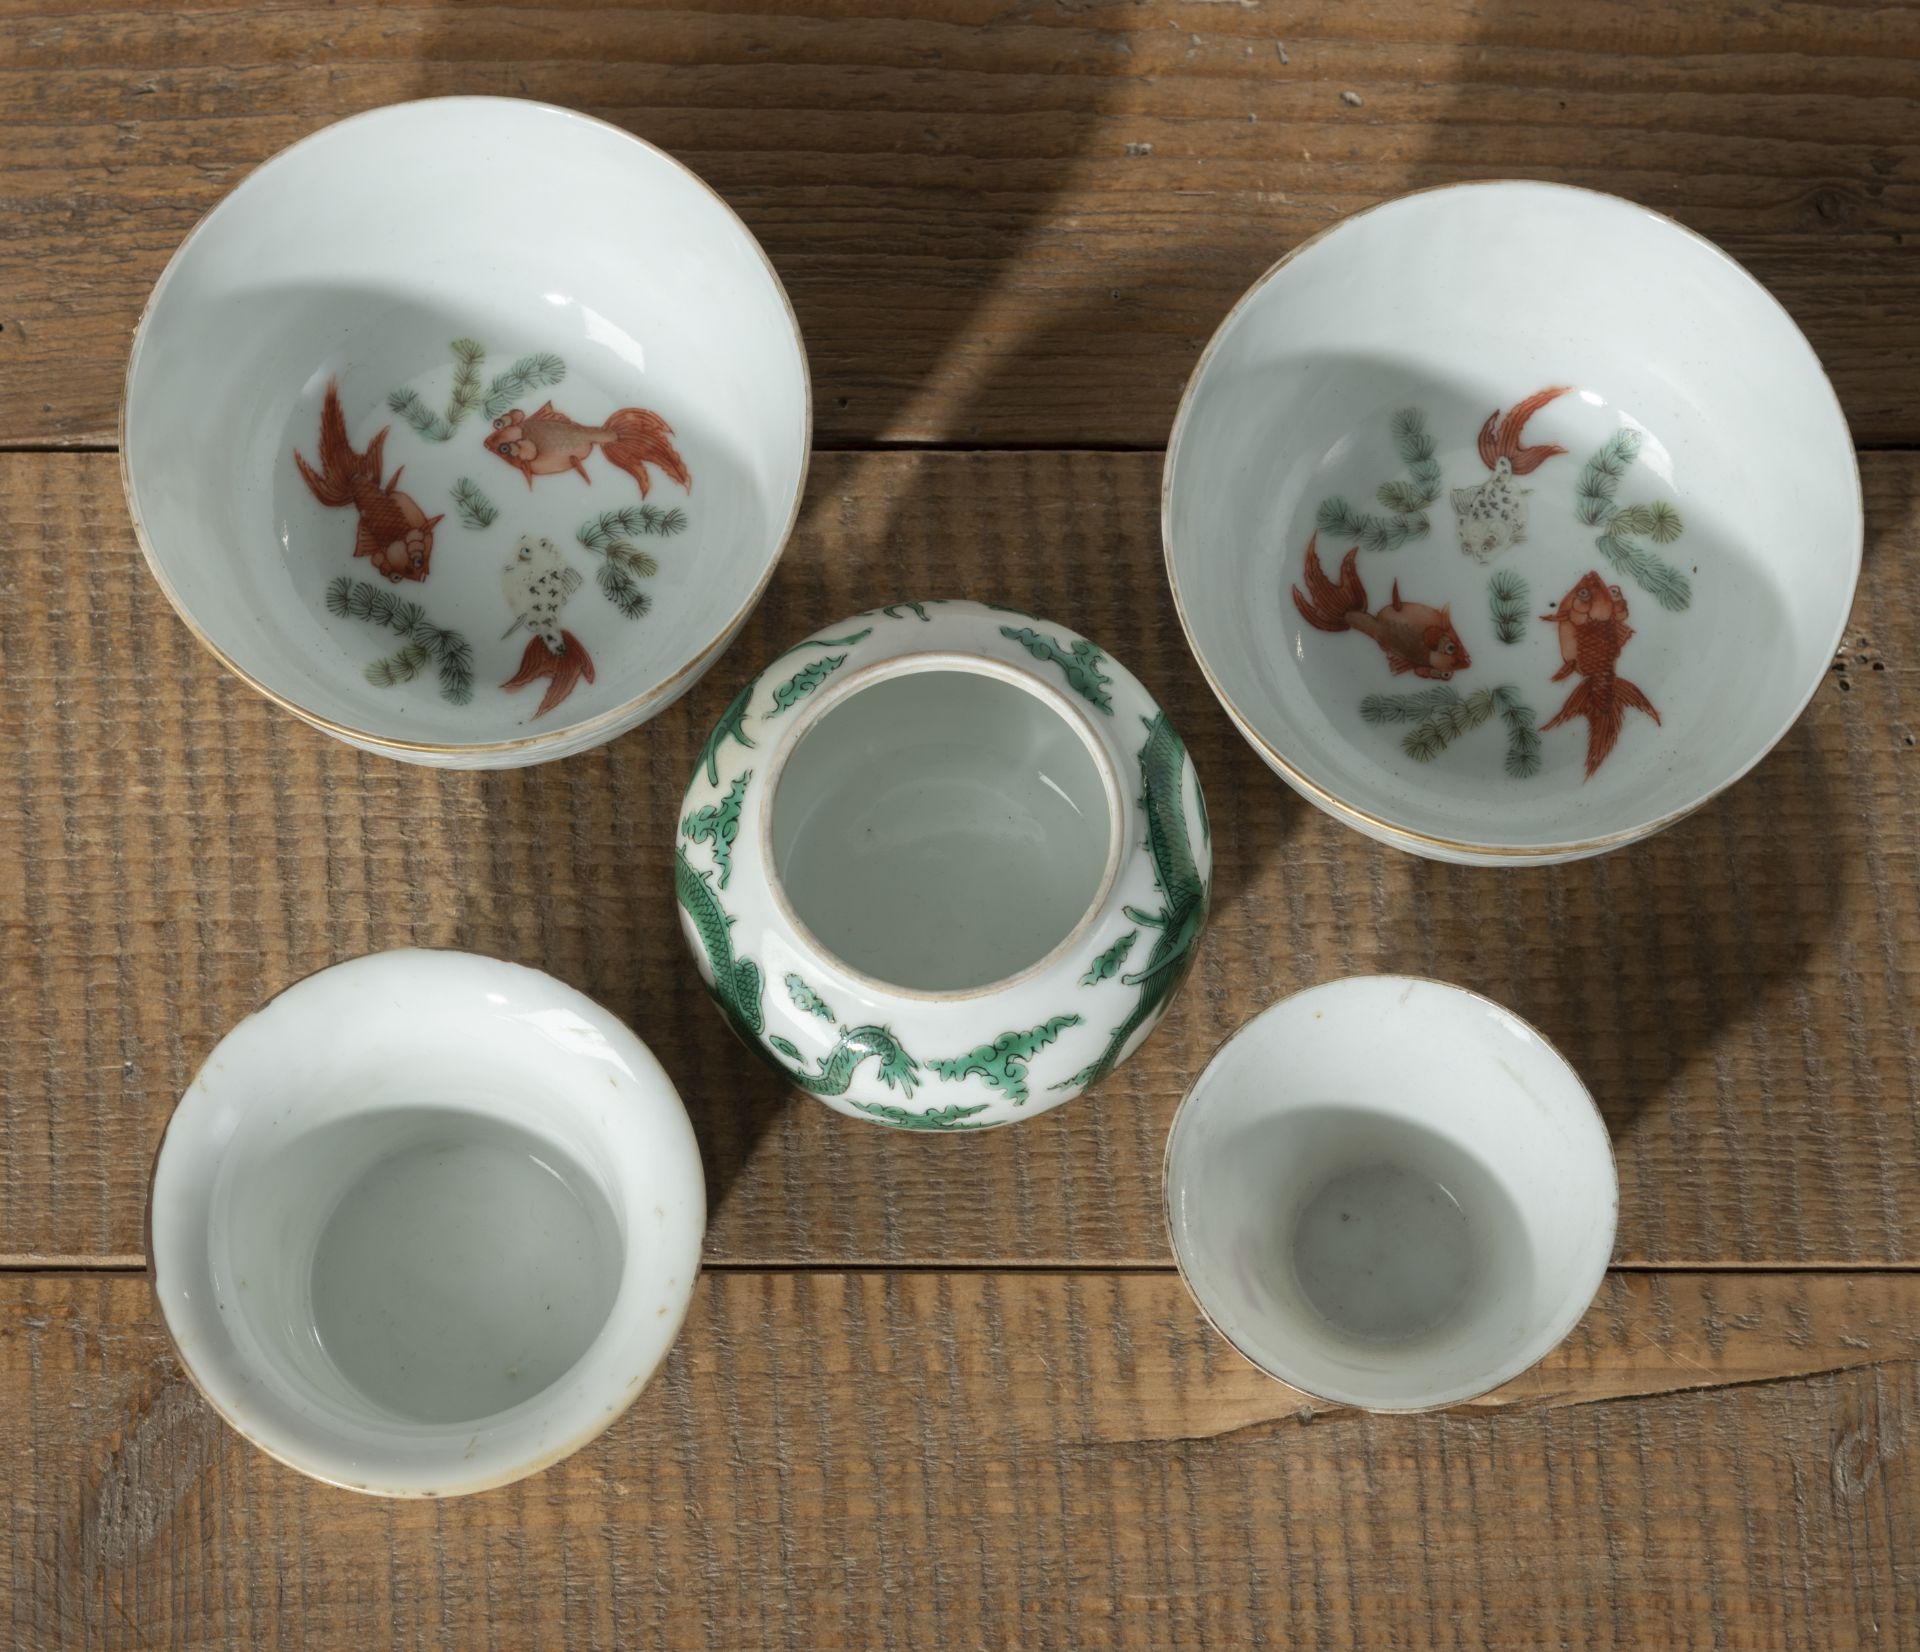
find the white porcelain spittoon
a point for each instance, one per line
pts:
(944, 865)
(469, 431)
(1390, 1193)
(426, 1223)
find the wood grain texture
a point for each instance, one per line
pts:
(1000, 225)
(1739, 992)
(988, 1459)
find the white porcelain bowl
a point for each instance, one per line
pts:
(572, 428)
(1511, 522)
(426, 1223)
(1390, 1193)
(944, 865)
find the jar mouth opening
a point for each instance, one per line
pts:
(942, 826)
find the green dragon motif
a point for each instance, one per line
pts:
(1080, 661)
(828, 642)
(892, 611)
(1108, 963)
(1003, 1063)
(736, 981)
(733, 723)
(954, 1116)
(1177, 876)
(898, 1070)
(803, 682)
(804, 997)
(719, 824)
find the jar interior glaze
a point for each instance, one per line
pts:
(943, 830)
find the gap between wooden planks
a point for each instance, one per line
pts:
(1739, 992)
(991, 1459)
(999, 226)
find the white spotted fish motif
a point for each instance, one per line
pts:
(537, 583)
(1492, 515)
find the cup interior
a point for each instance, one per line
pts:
(426, 1222)
(944, 828)
(422, 1263)
(1391, 1194)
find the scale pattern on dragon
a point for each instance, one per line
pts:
(1183, 913)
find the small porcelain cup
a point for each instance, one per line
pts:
(426, 1223)
(1390, 1193)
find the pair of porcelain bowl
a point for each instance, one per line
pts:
(1446, 505)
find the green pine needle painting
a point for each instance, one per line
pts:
(439, 427)
(613, 536)
(425, 642)
(1407, 501)
(1507, 599)
(529, 373)
(1623, 526)
(475, 508)
(1442, 715)
(1406, 708)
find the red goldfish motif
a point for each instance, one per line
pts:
(395, 534)
(544, 443)
(1493, 514)
(562, 667)
(1413, 636)
(1503, 441)
(1592, 620)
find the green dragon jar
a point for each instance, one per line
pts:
(943, 864)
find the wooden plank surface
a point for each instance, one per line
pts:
(1739, 992)
(1000, 224)
(987, 1459)
(945, 1392)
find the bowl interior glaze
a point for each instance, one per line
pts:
(1579, 482)
(444, 267)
